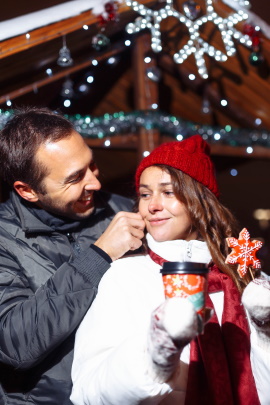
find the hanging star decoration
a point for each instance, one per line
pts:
(192, 19)
(243, 252)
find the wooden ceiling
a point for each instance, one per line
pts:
(124, 86)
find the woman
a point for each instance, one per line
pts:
(132, 346)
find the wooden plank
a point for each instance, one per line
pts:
(125, 141)
(52, 31)
(114, 50)
(130, 141)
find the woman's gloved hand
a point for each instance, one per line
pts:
(173, 325)
(256, 300)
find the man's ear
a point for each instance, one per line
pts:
(25, 191)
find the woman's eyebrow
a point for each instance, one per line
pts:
(160, 184)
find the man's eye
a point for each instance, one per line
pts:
(76, 179)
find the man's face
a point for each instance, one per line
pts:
(71, 179)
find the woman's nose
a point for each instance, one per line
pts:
(155, 204)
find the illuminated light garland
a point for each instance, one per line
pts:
(120, 123)
(152, 19)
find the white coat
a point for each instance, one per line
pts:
(111, 364)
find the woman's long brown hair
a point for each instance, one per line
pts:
(212, 220)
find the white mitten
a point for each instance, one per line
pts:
(173, 325)
(256, 300)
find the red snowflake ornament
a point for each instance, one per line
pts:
(244, 252)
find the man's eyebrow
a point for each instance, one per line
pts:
(72, 175)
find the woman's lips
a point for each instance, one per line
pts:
(157, 221)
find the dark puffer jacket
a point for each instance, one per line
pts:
(49, 276)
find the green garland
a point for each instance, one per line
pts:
(122, 123)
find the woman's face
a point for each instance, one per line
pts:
(165, 216)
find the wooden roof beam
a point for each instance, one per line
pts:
(52, 31)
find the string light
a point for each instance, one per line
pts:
(90, 79)
(147, 59)
(67, 89)
(67, 103)
(206, 108)
(224, 103)
(151, 19)
(233, 172)
(258, 121)
(112, 60)
(83, 88)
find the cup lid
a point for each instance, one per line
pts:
(184, 267)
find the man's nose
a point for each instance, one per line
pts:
(91, 181)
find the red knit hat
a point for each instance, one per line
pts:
(191, 156)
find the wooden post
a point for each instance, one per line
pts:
(146, 91)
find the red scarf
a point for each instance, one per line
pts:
(220, 371)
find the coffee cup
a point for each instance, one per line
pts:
(187, 280)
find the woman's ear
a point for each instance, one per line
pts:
(25, 191)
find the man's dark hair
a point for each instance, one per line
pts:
(23, 134)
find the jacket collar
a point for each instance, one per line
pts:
(29, 223)
(35, 220)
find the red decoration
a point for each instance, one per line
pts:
(248, 29)
(256, 41)
(243, 252)
(109, 14)
(254, 35)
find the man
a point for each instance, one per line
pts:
(58, 236)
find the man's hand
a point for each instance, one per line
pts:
(123, 234)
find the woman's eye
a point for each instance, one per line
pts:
(144, 195)
(169, 193)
